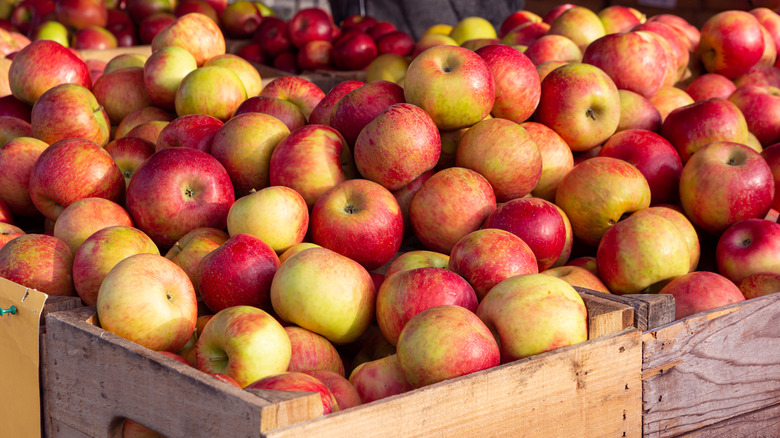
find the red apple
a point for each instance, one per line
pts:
(557, 159)
(196, 131)
(272, 36)
(297, 381)
(617, 18)
(515, 19)
(30, 76)
(668, 99)
(579, 24)
(487, 257)
(121, 92)
(710, 85)
(761, 107)
(188, 251)
(193, 191)
(72, 169)
(148, 131)
(195, 33)
(678, 47)
(163, 72)
(701, 291)
(379, 378)
(772, 156)
(9, 232)
(315, 55)
(359, 219)
(79, 14)
(297, 90)
(360, 106)
(147, 114)
(94, 38)
(17, 158)
(321, 114)
(10, 106)
(84, 217)
(354, 51)
(449, 205)
(287, 112)
(637, 112)
(577, 276)
(723, 183)
(212, 90)
(748, 247)
(343, 391)
(731, 43)
(310, 24)
(150, 26)
(553, 48)
(70, 111)
(311, 351)
(517, 84)
(758, 285)
(398, 42)
(40, 262)
(555, 12)
(241, 19)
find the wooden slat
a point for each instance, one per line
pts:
(650, 310)
(606, 316)
(591, 389)
(95, 379)
(711, 367)
(757, 424)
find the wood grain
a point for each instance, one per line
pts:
(711, 367)
(764, 423)
(650, 310)
(96, 379)
(590, 390)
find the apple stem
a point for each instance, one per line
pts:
(349, 209)
(589, 113)
(218, 358)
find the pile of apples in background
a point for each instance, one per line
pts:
(358, 241)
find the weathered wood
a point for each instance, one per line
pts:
(650, 310)
(763, 423)
(95, 379)
(710, 367)
(604, 315)
(591, 390)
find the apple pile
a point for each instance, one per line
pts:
(105, 24)
(378, 238)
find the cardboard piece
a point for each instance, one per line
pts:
(20, 409)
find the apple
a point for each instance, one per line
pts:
(122, 26)
(10, 106)
(149, 131)
(296, 249)
(557, 159)
(272, 36)
(760, 284)
(731, 43)
(188, 251)
(70, 111)
(361, 211)
(311, 351)
(343, 391)
(51, 30)
(381, 28)
(9, 232)
(241, 18)
(748, 247)
(192, 191)
(40, 262)
(310, 24)
(431, 40)
(301, 382)
(315, 55)
(140, 9)
(615, 185)
(129, 153)
(84, 217)
(237, 273)
(405, 195)
(17, 158)
(100, 252)
(354, 51)
(641, 254)
(194, 32)
(674, 214)
(653, 156)
(760, 75)
(723, 183)
(94, 38)
(434, 336)
(637, 112)
(553, 48)
(123, 60)
(135, 118)
(693, 126)
(587, 118)
(398, 146)
(537, 222)
(677, 49)
(533, 313)
(771, 154)
(525, 34)
(579, 24)
(12, 127)
(83, 170)
(297, 90)
(761, 107)
(284, 110)
(79, 14)
(710, 85)
(617, 18)
(691, 32)
(435, 72)
(277, 215)
(387, 67)
(244, 343)
(340, 309)
(211, 90)
(488, 256)
(362, 105)
(379, 378)
(668, 99)
(246, 72)
(252, 53)
(577, 276)
(397, 42)
(149, 27)
(450, 204)
(321, 114)
(504, 153)
(196, 131)
(149, 300)
(308, 161)
(121, 92)
(417, 259)
(516, 82)
(701, 291)
(407, 293)
(515, 19)
(635, 61)
(29, 76)
(164, 70)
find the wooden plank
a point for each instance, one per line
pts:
(109, 54)
(95, 379)
(591, 389)
(650, 310)
(711, 367)
(606, 316)
(758, 424)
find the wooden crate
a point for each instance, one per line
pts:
(713, 374)
(95, 379)
(109, 54)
